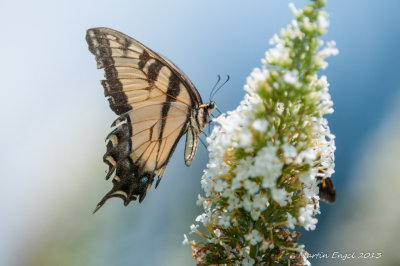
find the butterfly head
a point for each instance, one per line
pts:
(208, 108)
(205, 110)
(211, 106)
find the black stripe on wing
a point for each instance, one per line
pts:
(139, 149)
(110, 55)
(137, 77)
(114, 49)
(130, 182)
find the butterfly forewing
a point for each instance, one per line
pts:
(155, 101)
(129, 65)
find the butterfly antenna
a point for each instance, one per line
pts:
(216, 108)
(215, 91)
(211, 93)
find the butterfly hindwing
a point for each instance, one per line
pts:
(156, 103)
(139, 148)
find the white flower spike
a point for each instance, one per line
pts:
(271, 159)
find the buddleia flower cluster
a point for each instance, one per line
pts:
(264, 157)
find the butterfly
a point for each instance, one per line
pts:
(327, 192)
(157, 104)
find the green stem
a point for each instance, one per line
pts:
(253, 250)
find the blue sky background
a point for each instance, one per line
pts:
(54, 116)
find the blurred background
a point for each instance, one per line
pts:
(54, 119)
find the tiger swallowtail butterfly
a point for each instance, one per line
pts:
(157, 104)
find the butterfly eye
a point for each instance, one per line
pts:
(212, 105)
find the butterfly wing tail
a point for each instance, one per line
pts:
(129, 188)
